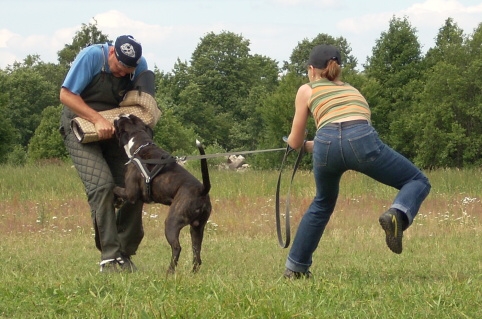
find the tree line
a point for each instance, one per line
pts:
(426, 106)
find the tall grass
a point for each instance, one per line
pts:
(49, 263)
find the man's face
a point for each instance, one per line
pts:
(117, 68)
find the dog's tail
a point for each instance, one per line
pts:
(204, 170)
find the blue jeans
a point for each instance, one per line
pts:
(352, 145)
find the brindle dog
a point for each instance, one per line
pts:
(173, 186)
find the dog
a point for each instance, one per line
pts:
(172, 185)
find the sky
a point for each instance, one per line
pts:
(172, 29)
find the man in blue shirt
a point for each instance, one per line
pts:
(97, 81)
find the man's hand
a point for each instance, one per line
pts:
(104, 128)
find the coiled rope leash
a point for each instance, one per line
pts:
(285, 244)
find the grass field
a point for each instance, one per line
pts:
(49, 266)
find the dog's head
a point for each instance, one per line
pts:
(127, 127)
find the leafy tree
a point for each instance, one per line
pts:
(247, 127)
(473, 98)
(29, 92)
(47, 142)
(393, 71)
(30, 86)
(451, 105)
(52, 73)
(171, 85)
(172, 136)
(277, 112)
(246, 134)
(217, 66)
(17, 156)
(300, 54)
(448, 43)
(214, 91)
(201, 116)
(87, 35)
(441, 139)
(8, 133)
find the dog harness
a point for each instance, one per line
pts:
(141, 164)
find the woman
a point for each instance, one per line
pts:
(345, 140)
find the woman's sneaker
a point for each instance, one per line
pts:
(290, 274)
(394, 222)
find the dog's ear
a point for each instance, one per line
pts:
(121, 134)
(121, 123)
(140, 124)
(136, 120)
(149, 131)
(123, 138)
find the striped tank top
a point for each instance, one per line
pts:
(331, 102)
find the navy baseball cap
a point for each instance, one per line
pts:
(128, 50)
(321, 54)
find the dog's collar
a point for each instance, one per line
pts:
(139, 148)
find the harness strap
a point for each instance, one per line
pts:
(285, 244)
(150, 174)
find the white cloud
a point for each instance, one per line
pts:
(430, 13)
(365, 23)
(114, 23)
(5, 37)
(13, 45)
(62, 37)
(153, 37)
(444, 7)
(434, 12)
(316, 3)
(8, 58)
(274, 27)
(16, 47)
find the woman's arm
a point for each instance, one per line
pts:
(302, 112)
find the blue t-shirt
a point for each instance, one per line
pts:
(90, 62)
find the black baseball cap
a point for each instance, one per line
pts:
(321, 54)
(128, 50)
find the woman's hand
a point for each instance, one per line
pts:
(309, 146)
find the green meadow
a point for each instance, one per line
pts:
(49, 264)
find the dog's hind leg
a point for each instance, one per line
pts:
(173, 228)
(197, 234)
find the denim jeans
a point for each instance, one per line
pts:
(352, 145)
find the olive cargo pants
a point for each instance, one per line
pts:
(101, 166)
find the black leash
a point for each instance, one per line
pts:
(285, 244)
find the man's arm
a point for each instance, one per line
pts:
(103, 127)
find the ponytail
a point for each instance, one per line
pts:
(332, 71)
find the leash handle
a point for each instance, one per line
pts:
(286, 243)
